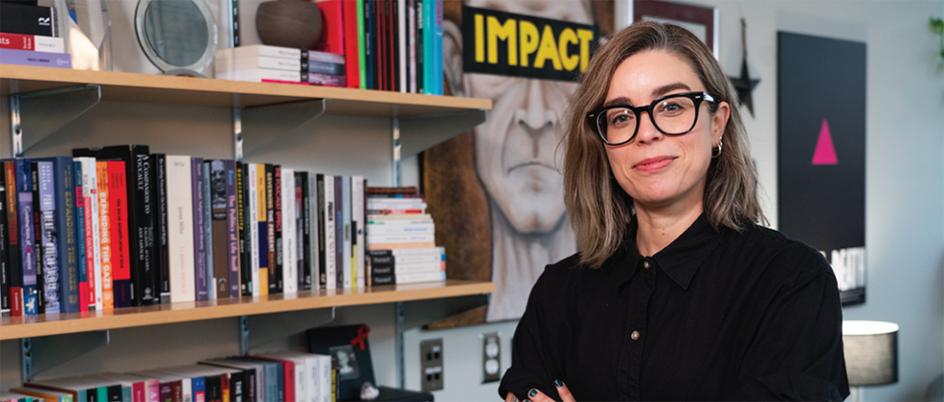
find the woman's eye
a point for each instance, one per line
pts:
(620, 119)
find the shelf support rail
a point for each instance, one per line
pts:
(58, 349)
(266, 124)
(34, 116)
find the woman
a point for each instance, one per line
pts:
(676, 292)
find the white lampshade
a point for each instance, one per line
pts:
(871, 351)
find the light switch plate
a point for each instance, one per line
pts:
(491, 357)
(431, 365)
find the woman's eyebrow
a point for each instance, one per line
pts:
(622, 100)
(660, 91)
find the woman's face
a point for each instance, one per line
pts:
(663, 171)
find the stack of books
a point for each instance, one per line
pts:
(120, 226)
(29, 36)
(263, 63)
(401, 238)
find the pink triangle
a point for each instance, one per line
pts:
(825, 152)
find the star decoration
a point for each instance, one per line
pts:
(744, 86)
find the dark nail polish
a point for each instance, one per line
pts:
(533, 393)
(558, 383)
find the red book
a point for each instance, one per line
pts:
(332, 27)
(352, 60)
(288, 373)
(105, 244)
(121, 262)
(31, 42)
(16, 269)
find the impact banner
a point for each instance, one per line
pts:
(500, 43)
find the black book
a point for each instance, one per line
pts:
(277, 213)
(420, 27)
(242, 228)
(28, 19)
(160, 213)
(369, 45)
(322, 252)
(304, 225)
(269, 172)
(4, 250)
(145, 277)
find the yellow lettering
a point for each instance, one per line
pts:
(529, 40)
(505, 32)
(585, 36)
(567, 37)
(547, 50)
(479, 38)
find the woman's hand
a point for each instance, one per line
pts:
(537, 396)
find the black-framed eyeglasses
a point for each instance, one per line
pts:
(674, 114)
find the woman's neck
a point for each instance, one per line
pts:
(659, 227)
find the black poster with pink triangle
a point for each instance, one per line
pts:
(821, 151)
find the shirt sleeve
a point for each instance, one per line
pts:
(530, 357)
(797, 352)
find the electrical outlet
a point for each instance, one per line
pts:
(431, 365)
(491, 357)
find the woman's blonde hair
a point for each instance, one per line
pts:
(599, 208)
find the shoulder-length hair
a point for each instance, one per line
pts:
(599, 208)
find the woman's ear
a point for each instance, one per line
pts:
(452, 59)
(719, 120)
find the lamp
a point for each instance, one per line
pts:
(871, 352)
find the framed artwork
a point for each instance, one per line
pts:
(821, 152)
(701, 21)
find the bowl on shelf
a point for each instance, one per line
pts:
(289, 23)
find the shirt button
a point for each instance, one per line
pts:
(635, 335)
(646, 264)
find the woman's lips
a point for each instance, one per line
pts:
(654, 164)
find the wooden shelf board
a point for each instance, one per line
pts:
(191, 91)
(56, 324)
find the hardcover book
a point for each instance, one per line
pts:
(24, 186)
(36, 58)
(105, 238)
(13, 235)
(199, 230)
(28, 19)
(122, 280)
(180, 231)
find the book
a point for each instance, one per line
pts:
(24, 185)
(105, 237)
(133, 387)
(326, 68)
(349, 277)
(180, 239)
(47, 248)
(349, 347)
(92, 231)
(82, 260)
(28, 20)
(303, 230)
(315, 227)
(332, 27)
(330, 230)
(232, 236)
(288, 376)
(273, 384)
(121, 272)
(32, 42)
(242, 216)
(421, 53)
(361, 44)
(201, 279)
(140, 199)
(315, 56)
(35, 58)
(411, 45)
(289, 234)
(265, 51)
(46, 394)
(352, 55)
(253, 375)
(358, 225)
(226, 62)
(161, 250)
(13, 234)
(278, 224)
(60, 237)
(4, 250)
(271, 252)
(264, 75)
(413, 277)
(402, 49)
(225, 254)
(84, 388)
(254, 250)
(326, 80)
(341, 265)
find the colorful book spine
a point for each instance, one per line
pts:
(332, 31)
(32, 42)
(289, 246)
(13, 235)
(242, 214)
(253, 223)
(348, 234)
(315, 228)
(278, 223)
(358, 223)
(266, 235)
(4, 250)
(232, 220)
(35, 58)
(122, 285)
(220, 222)
(161, 246)
(199, 230)
(64, 193)
(81, 220)
(105, 238)
(353, 40)
(24, 185)
(47, 241)
(303, 200)
(208, 232)
(92, 231)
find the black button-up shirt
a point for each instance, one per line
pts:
(748, 315)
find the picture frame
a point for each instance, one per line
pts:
(701, 21)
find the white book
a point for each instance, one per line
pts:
(371, 219)
(90, 192)
(416, 277)
(401, 39)
(262, 50)
(400, 238)
(313, 224)
(254, 226)
(330, 234)
(228, 63)
(302, 378)
(418, 259)
(403, 221)
(289, 240)
(180, 229)
(261, 75)
(346, 221)
(325, 378)
(411, 23)
(417, 251)
(357, 202)
(376, 230)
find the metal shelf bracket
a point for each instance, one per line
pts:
(34, 116)
(423, 131)
(257, 127)
(58, 349)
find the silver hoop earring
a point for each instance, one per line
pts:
(716, 152)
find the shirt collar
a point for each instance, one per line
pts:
(681, 259)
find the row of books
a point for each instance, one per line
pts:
(402, 214)
(119, 226)
(263, 63)
(29, 36)
(274, 376)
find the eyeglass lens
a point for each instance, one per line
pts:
(671, 116)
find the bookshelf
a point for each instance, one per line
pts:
(45, 101)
